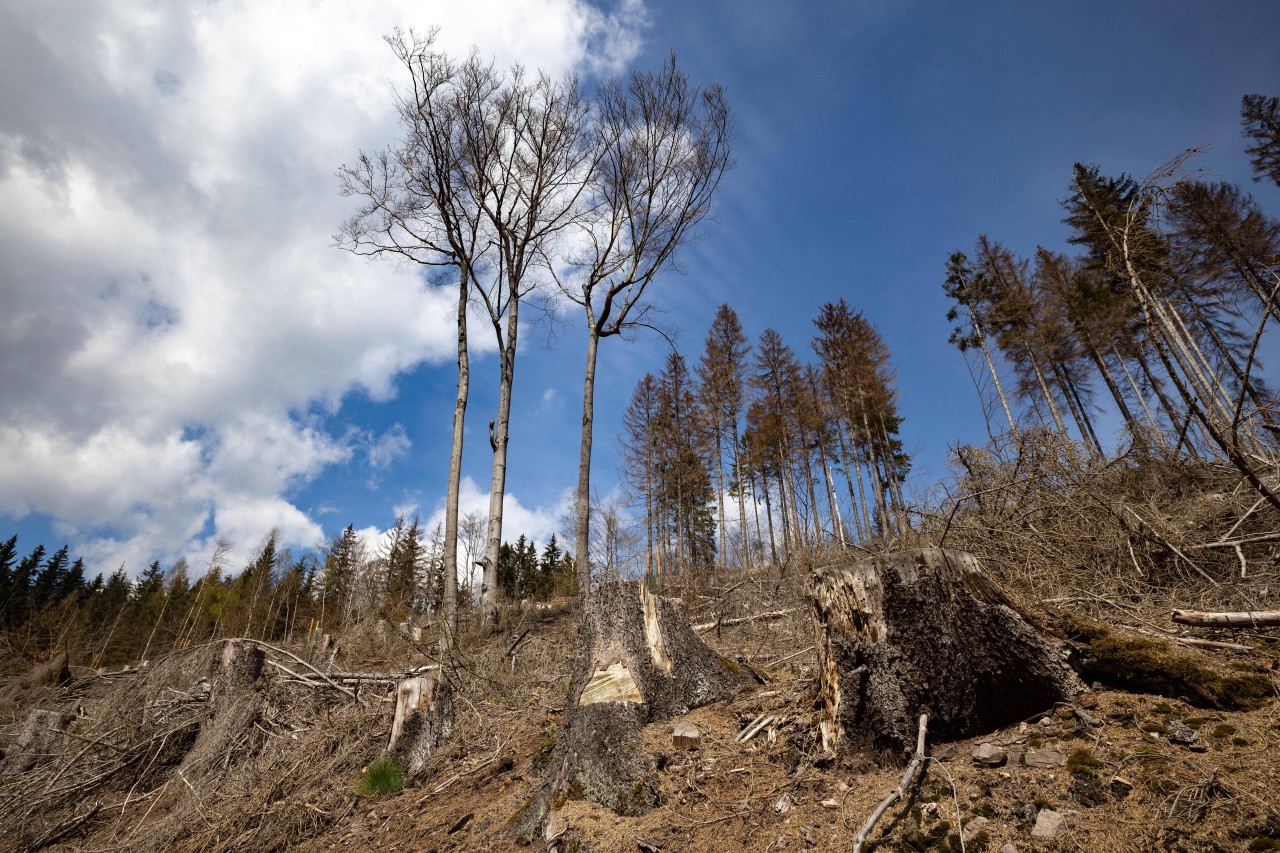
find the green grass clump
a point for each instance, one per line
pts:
(1082, 763)
(380, 778)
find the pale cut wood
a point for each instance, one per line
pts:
(685, 735)
(1243, 619)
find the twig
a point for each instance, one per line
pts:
(740, 620)
(909, 778)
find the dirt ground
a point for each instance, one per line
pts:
(1126, 771)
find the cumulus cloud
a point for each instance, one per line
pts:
(173, 314)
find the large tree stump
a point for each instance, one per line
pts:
(39, 742)
(640, 662)
(926, 632)
(423, 720)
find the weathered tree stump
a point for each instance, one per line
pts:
(39, 742)
(925, 631)
(239, 667)
(640, 662)
(423, 720)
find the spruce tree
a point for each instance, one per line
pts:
(1260, 117)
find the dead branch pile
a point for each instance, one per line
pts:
(1141, 531)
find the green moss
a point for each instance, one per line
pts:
(380, 778)
(1155, 728)
(1263, 842)
(1224, 730)
(1042, 803)
(1162, 708)
(1153, 666)
(1082, 763)
(730, 666)
(985, 809)
(1239, 741)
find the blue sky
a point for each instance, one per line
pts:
(184, 356)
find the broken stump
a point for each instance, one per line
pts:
(925, 631)
(423, 720)
(640, 662)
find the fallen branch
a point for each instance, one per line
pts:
(742, 620)
(335, 685)
(755, 728)
(1244, 619)
(909, 778)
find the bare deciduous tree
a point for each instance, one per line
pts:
(662, 148)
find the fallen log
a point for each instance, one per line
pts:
(925, 631)
(1242, 619)
(640, 662)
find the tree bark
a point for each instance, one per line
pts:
(498, 484)
(582, 536)
(925, 631)
(449, 607)
(423, 721)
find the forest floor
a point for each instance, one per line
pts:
(1114, 770)
(1118, 780)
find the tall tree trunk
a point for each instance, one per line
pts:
(1076, 406)
(876, 483)
(995, 377)
(1105, 373)
(1137, 392)
(742, 503)
(724, 542)
(848, 461)
(837, 523)
(497, 488)
(582, 538)
(768, 513)
(1048, 397)
(449, 607)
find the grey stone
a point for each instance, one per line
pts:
(1180, 732)
(972, 828)
(989, 754)
(1009, 848)
(1048, 824)
(1044, 758)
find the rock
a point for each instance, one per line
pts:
(1180, 732)
(685, 735)
(783, 805)
(1044, 758)
(989, 755)
(1048, 824)
(972, 828)
(1009, 848)
(831, 804)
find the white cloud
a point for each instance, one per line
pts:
(171, 303)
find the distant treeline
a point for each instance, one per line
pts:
(47, 601)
